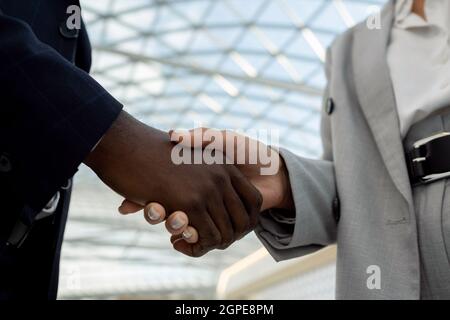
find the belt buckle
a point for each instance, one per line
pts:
(422, 142)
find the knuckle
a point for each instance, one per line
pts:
(217, 239)
(195, 204)
(253, 222)
(219, 178)
(227, 240)
(212, 240)
(240, 230)
(210, 187)
(198, 251)
(243, 227)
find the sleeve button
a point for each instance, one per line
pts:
(329, 108)
(336, 209)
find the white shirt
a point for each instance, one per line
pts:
(419, 60)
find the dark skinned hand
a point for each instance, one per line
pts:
(134, 160)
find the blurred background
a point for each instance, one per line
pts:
(235, 64)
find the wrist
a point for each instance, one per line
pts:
(275, 189)
(114, 143)
(283, 191)
(127, 146)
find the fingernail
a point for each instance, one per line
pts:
(187, 234)
(177, 223)
(153, 215)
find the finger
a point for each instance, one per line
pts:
(190, 235)
(209, 237)
(154, 213)
(181, 245)
(128, 207)
(249, 195)
(192, 250)
(238, 214)
(222, 220)
(177, 222)
(225, 141)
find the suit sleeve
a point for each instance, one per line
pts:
(52, 114)
(313, 225)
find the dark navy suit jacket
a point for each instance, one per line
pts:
(52, 113)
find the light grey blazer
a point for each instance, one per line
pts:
(364, 168)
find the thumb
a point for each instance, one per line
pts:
(221, 140)
(128, 207)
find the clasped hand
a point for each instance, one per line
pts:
(177, 223)
(204, 206)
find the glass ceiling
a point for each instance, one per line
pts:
(235, 64)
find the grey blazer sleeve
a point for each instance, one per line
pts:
(313, 225)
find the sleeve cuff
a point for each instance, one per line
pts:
(311, 225)
(65, 147)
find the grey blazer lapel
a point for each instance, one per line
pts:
(376, 96)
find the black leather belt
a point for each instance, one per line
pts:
(429, 159)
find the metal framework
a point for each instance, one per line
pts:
(235, 64)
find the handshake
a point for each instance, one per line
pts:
(206, 206)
